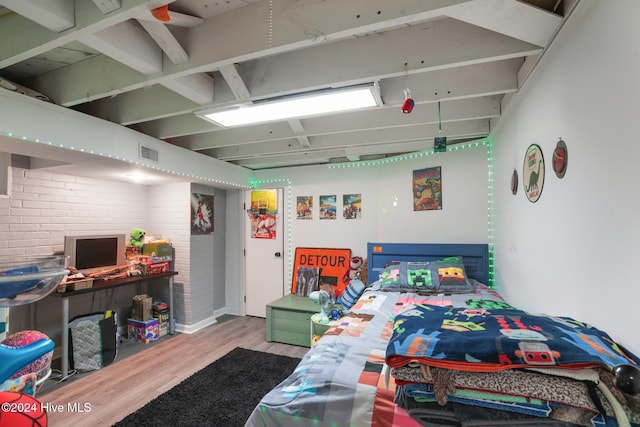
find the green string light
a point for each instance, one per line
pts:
(256, 183)
(116, 157)
(485, 142)
(410, 156)
(491, 210)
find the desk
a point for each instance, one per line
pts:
(99, 285)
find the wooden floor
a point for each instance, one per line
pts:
(104, 397)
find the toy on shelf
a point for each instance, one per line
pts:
(137, 237)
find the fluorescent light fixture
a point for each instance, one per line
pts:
(296, 106)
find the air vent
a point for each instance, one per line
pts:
(148, 153)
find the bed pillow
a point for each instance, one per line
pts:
(452, 276)
(352, 292)
(446, 275)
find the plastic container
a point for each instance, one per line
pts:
(26, 280)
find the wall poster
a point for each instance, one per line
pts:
(328, 207)
(262, 213)
(201, 213)
(304, 207)
(352, 206)
(427, 189)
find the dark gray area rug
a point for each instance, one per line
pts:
(222, 394)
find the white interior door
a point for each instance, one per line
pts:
(264, 263)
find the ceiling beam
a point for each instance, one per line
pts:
(54, 15)
(469, 82)
(472, 108)
(167, 42)
(438, 45)
(129, 44)
(298, 131)
(235, 82)
(108, 6)
(252, 45)
(175, 18)
(513, 18)
(198, 88)
(20, 41)
(365, 138)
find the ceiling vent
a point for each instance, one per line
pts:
(148, 153)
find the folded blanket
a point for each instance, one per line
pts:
(516, 382)
(484, 340)
(480, 410)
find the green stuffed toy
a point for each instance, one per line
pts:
(137, 237)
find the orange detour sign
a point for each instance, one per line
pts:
(333, 265)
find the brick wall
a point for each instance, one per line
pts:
(42, 207)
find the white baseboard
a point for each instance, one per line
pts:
(227, 310)
(190, 329)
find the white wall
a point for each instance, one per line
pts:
(387, 204)
(573, 252)
(167, 210)
(43, 207)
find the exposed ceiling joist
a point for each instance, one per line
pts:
(119, 63)
(107, 6)
(167, 42)
(55, 15)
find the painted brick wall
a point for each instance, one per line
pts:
(169, 217)
(43, 207)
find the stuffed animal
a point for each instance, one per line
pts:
(137, 237)
(364, 272)
(355, 265)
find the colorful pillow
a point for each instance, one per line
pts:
(445, 275)
(352, 292)
(452, 276)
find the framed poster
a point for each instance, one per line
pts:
(262, 214)
(328, 207)
(427, 189)
(264, 201)
(533, 173)
(352, 206)
(201, 213)
(304, 207)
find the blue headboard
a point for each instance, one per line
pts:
(474, 256)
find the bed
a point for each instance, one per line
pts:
(429, 343)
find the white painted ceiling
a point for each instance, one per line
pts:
(114, 60)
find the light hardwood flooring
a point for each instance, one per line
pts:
(105, 396)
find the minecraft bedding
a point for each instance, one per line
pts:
(341, 381)
(484, 357)
(346, 380)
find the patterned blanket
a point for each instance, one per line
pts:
(344, 381)
(341, 381)
(489, 340)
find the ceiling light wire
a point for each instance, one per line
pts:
(407, 92)
(270, 37)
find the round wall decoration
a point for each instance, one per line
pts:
(514, 182)
(533, 173)
(560, 159)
